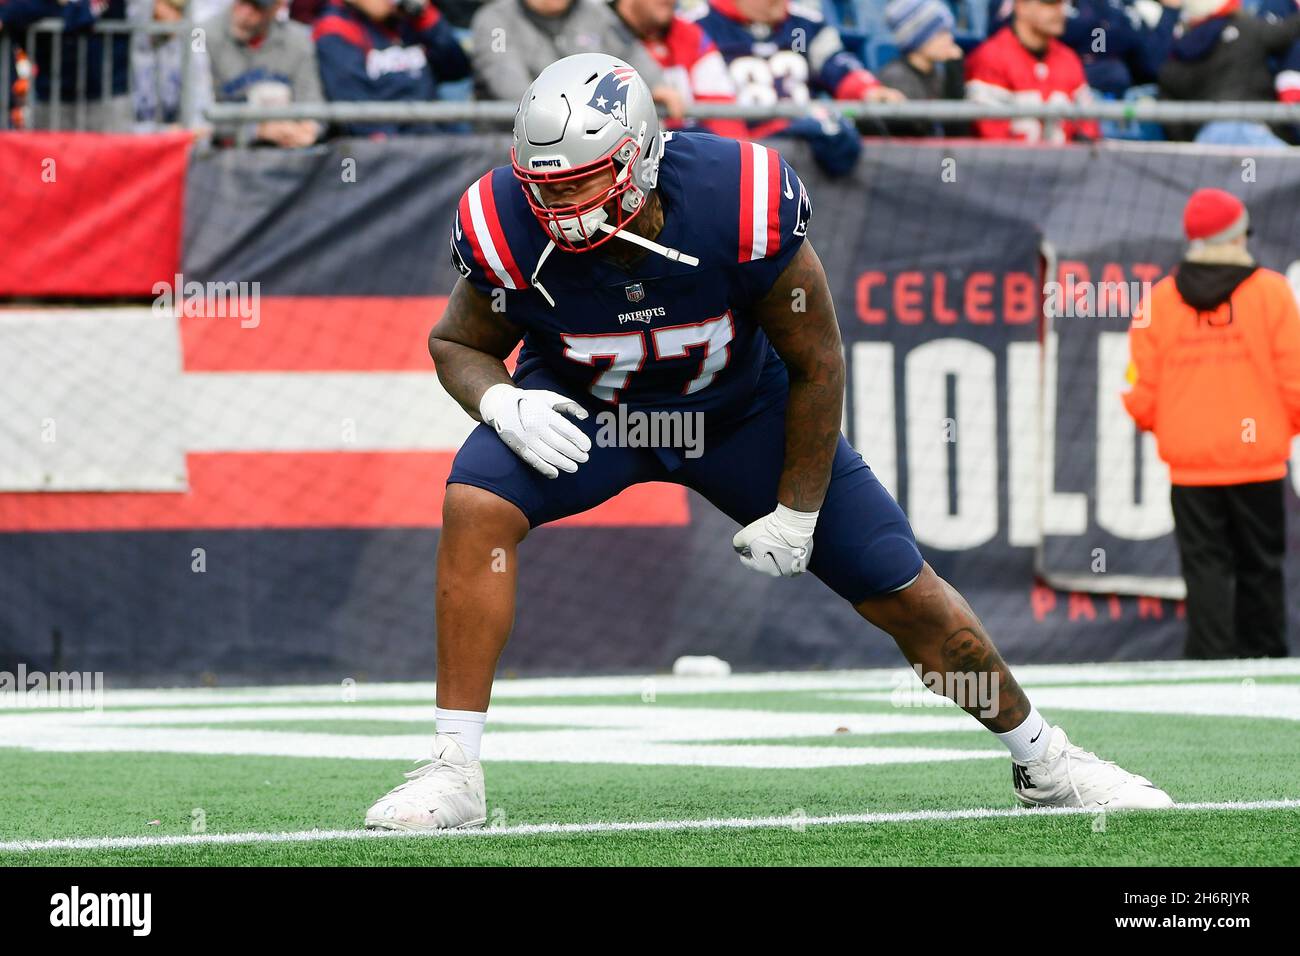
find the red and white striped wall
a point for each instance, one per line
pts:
(326, 413)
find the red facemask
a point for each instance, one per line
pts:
(575, 226)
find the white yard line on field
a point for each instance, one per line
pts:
(1227, 699)
(636, 686)
(792, 821)
(635, 734)
(645, 730)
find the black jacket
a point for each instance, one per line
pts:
(1226, 59)
(945, 82)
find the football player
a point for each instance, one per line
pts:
(703, 242)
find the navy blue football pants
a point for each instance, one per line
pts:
(863, 545)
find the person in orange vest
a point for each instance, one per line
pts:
(1215, 374)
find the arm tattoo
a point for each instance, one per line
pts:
(799, 319)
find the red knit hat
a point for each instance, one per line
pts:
(1213, 215)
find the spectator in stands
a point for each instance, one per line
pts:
(514, 40)
(455, 12)
(1121, 43)
(13, 60)
(779, 51)
(20, 73)
(690, 61)
(1222, 54)
(929, 64)
(1286, 66)
(392, 51)
(156, 70)
(1024, 62)
(1215, 374)
(101, 110)
(254, 57)
(156, 66)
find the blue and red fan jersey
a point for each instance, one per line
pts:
(1286, 68)
(662, 334)
(401, 59)
(691, 63)
(796, 59)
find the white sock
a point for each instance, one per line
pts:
(1028, 741)
(465, 725)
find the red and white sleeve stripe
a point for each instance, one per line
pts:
(760, 201)
(478, 216)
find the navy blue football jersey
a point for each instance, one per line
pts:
(796, 59)
(664, 335)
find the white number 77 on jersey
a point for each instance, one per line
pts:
(627, 353)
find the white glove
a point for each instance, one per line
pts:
(779, 544)
(529, 422)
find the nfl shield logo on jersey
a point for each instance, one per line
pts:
(635, 292)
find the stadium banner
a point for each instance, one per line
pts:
(91, 217)
(983, 293)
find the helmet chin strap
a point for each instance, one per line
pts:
(534, 281)
(665, 251)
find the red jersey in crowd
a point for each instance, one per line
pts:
(1004, 70)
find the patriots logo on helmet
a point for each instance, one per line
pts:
(610, 96)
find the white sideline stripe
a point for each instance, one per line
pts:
(687, 736)
(546, 829)
(1029, 675)
(1227, 699)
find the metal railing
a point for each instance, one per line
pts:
(104, 32)
(496, 112)
(1154, 111)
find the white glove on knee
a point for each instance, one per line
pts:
(529, 422)
(779, 544)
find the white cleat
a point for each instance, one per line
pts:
(444, 794)
(1069, 776)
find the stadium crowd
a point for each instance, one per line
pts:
(759, 52)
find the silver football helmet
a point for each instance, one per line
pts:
(587, 115)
